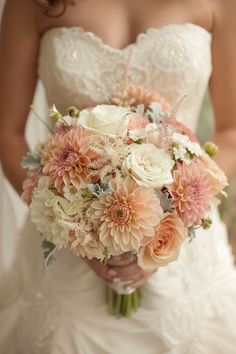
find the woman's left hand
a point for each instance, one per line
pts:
(123, 273)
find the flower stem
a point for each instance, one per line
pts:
(118, 303)
(122, 304)
(110, 300)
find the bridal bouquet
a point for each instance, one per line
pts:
(121, 177)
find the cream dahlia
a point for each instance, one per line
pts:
(69, 162)
(47, 212)
(191, 192)
(127, 218)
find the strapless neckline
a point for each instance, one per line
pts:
(78, 68)
(99, 40)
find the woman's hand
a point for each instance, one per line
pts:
(122, 273)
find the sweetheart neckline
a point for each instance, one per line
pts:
(141, 35)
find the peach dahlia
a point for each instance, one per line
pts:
(127, 218)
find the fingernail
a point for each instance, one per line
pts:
(116, 280)
(112, 272)
(129, 282)
(129, 290)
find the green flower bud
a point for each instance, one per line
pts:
(211, 149)
(54, 113)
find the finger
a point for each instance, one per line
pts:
(123, 260)
(138, 282)
(100, 269)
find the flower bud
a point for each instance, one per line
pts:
(54, 113)
(73, 112)
(206, 223)
(211, 149)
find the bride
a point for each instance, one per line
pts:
(80, 51)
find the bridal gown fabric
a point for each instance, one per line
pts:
(188, 307)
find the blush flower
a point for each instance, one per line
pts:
(216, 175)
(141, 95)
(191, 192)
(84, 241)
(165, 246)
(180, 128)
(127, 218)
(136, 121)
(53, 143)
(69, 163)
(28, 185)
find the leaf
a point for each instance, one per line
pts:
(48, 252)
(155, 112)
(140, 109)
(165, 201)
(191, 234)
(99, 190)
(31, 161)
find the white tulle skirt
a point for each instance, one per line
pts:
(188, 307)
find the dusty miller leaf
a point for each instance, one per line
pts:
(155, 112)
(31, 161)
(48, 252)
(191, 234)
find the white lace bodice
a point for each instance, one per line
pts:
(78, 68)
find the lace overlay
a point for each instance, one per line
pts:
(187, 307)
(78, 67)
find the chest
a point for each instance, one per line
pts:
(119, 22)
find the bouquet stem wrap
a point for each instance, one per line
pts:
(122, 304)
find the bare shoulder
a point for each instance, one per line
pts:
(21, 14)
(224, 14)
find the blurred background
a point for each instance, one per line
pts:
(13, 211)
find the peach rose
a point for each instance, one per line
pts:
(165, 246)
(217, 177)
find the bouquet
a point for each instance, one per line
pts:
(122, 177)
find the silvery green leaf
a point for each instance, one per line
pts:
(48, 252)
(165, 201)
(31, 161)
(191, 234)
(99, 190)
(140, 109)
(155, 112)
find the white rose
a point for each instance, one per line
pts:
(105, 120)
(148, 165)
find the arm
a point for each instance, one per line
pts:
(19, 42)
(223, 83)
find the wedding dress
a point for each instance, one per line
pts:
(188, 307)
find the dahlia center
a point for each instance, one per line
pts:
(120, 213)
(194, 190)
